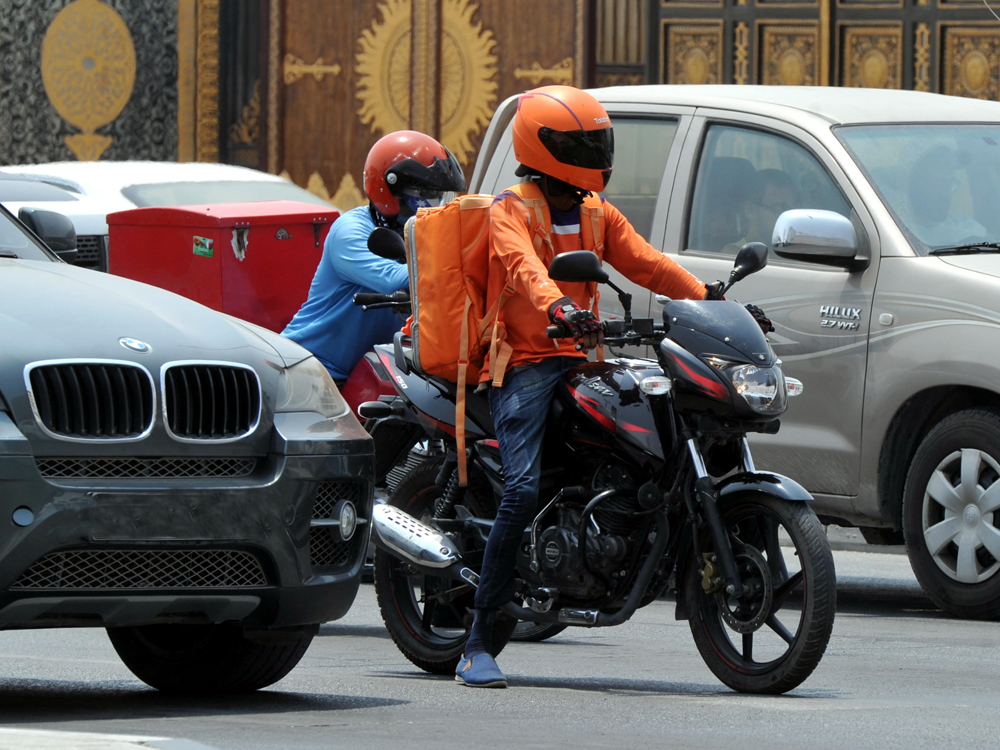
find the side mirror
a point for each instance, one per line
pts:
(578, 265)
(385, 243)
(751, 258)
(817, 236)
(52, 228)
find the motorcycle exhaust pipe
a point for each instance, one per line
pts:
(427, 549)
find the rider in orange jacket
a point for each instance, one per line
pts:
(563, 139)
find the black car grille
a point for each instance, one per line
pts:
(326, 548)
(98, 401)
(144, 569)
(210, 402)
(138, 468)
(330, 494)
(90, 252)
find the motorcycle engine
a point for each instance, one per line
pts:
(559, 556)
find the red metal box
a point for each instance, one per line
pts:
(251, 260)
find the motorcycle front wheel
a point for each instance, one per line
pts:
(771, 639)
(428, 617)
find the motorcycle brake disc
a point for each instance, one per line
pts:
(747, 613)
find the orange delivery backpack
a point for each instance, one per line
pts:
(447, 255)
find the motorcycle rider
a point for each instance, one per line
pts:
(564, 140)
(404, 171)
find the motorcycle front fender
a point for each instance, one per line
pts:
(729, 491)
(764, 483)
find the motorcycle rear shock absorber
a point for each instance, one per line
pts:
(448, 478)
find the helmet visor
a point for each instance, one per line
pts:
(589, 149)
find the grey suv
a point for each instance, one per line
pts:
(192, 483)
(881, 211)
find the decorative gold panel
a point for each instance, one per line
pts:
(693, 52)
(789, 54)
(972, 61)
(609, 78)
(922, 58)
(873, 57)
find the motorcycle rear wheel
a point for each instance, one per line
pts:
(432, 637)
(770, 641)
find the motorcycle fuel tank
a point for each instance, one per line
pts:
(608, 393)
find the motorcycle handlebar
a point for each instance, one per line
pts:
(373, 298)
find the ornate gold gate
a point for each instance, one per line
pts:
(948, 46)
(341, 75)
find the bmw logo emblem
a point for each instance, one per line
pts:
(135, 345)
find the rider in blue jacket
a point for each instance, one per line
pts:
(404, 171)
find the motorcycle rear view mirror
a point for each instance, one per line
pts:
(751, 258)
(385, 243)
(578, 265)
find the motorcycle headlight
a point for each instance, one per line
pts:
(308, 386)
(763, 388)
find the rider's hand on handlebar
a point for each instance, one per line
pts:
(762, 320)
(581, 324)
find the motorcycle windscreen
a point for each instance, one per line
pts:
(715, 326)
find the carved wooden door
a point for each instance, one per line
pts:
(342, 75)
(948, 46)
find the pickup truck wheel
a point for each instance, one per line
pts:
(205, 658)
(950, 517)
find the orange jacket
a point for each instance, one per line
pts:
(518, 269)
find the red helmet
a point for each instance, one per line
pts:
(565, 133)
(408, 160)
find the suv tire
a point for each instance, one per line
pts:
(950, 518)
(205, 658)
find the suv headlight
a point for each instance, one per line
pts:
(763, 388)
(308, 386)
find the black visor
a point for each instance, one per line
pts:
(443, 176)
(589, 149)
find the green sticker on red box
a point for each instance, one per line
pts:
(203, 246)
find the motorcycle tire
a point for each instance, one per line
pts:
(746, 642)
(433, 638)
(534, 632)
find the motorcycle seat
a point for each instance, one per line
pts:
(477, 405)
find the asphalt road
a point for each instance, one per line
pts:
(897, 674)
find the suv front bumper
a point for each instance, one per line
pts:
(258, 549)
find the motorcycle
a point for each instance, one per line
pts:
(648, 484)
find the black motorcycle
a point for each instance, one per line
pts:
(648, 485)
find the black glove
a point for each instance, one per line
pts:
(574, 319)
(714, 290)
(762, 320)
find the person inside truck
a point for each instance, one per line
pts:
(404, 171)
(935, 183)
(564, 141)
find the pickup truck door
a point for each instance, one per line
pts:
(736, 174)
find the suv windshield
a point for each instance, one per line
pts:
(222, 191)
(941, 182)
(16, 243)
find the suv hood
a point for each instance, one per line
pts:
(56, 311)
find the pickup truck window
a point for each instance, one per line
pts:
(746, 178)
(641, 150)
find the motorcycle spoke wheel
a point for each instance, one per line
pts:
(770, 639)
(428, 617)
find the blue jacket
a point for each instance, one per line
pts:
(328, 324)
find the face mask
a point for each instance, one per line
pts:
(412, 199)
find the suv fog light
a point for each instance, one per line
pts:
(348, 517)
(23, 516)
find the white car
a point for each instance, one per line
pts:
(86, 214)
(104, 187)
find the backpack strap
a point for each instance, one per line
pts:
(539, 218)
(594, 209)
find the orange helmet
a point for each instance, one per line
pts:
(410, 162)
(565, 133)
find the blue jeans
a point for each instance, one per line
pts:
(520, 411)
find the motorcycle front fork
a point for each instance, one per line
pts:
(704, 490)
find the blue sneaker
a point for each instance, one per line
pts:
(479, 670)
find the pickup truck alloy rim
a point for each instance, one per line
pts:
(960, 500)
